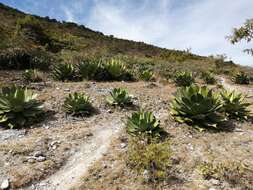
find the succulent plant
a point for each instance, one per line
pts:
(241, 78)
(120, 97)
(78, 104)
(234, 105)
(63, 72)
(147, 75)
(183, 78)
(197, 106)
(32, 75)
(18, 106)
(143, 122)
(208, 77)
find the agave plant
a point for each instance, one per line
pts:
(183, 78)
(197, 106)
(78, 104)
(208, 77)
(147, 75)
(116, 69)
(63, 72)
(143, 122)
(241, 78)
(120, 97)
(234, 105)
(32, 75)
(18, 106)
(88, 69)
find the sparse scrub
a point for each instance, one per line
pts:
(197, 106)
(235, 173)
(143, 122)
(78, 104)
(63, 72)
(32, 75)
(241, 78)
(234, 105)
(18, 106)
(120, 97)
(183, 78)
(151, 160)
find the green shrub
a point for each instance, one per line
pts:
(234, 105)
(32, 75)
(63, 72)
(183, 78)
(78, 104)
(151, 160)
(143, 122)
(197, 106)
(18, 106)
(89, 69)
(147, 75)
(15, 58)
(241, 78)
(120, 97)
(208, 77)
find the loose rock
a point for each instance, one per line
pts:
(5, 184)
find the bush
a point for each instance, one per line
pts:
(197, 106)
(32, 75)
(78, 104)
(119, 97)
(241, 78)
(23, 59)
(89, 69)
(183, 78)
(152, 160)
(143, 123)
(234, 105)
(208, 77)
(147, 75)
(63, 72)
(18, 106)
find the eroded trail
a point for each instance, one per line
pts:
(77, 165)
(242, 89)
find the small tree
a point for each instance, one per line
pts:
(244, 32)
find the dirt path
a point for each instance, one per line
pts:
(242, 89)
(77, 165)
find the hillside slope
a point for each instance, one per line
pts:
(24, 37)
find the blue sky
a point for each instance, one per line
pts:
(176, 24)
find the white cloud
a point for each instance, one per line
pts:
(201, 25)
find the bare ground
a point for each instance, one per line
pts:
(89, 153)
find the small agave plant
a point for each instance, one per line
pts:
(89, 68)
(208, 77)
(142, 122)
(18, 106)
(78, 104)
(234, 105)
(147, 75)
(120, 97)
(241, 78)
(63, 72)
(116, 69)
(183, 78)
(197, 106)
(32, 75)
